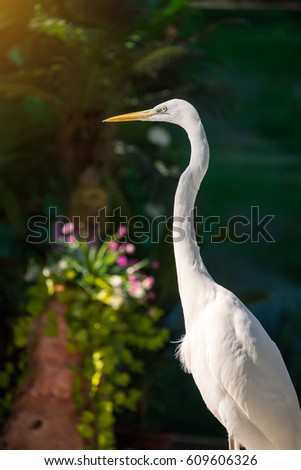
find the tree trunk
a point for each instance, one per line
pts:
(44, 415)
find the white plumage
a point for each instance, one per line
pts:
(237, 368)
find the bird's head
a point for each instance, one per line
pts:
(176, 111)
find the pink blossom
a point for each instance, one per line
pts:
(136, 290)
(122, 230)
(113, 245)
(70, 239)
(135, 281)
(132, 289)
(136, 285)
(130, 248)
(122, 261)
(148, 282)
(68, 228)
(122, 248)
(155, 264)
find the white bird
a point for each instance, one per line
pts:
(237, 368)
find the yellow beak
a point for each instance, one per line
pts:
(138, 116)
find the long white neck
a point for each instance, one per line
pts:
(191, 271)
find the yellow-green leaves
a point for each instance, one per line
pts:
(58, 27)
(112, 321)
(158, 58)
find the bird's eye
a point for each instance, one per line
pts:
(163, 109)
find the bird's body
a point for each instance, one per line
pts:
(237, 368)
(241, 375)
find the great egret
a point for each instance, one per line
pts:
(236, 366)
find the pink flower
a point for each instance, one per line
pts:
(148, 282)
(122, 230)
(70, 239)
(133, 289)
(155, 264)
(122, 261)
(113, 245)
(129, 248)
(68, 228)
(122, 248)
(136, 290)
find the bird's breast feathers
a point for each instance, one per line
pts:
(233, 360)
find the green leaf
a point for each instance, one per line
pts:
(159, 58)
(58, 27)
(122, 379)
(174, 6)
(87, 417)
(51, 329)
(106, 440)
(81, 337)
(4, 379)
(85, 430)
(21, 331)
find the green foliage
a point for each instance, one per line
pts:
(112, 322)
(57, 27)
(64, 67)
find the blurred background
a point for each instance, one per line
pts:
(66, 65)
